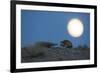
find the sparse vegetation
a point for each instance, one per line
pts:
(66, 43)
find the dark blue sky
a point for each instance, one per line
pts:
(52, 27)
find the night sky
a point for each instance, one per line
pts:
(52, 27)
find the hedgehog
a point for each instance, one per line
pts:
(45, 44)
(39, 48)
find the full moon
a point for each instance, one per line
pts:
(75, 27)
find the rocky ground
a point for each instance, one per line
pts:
(54, 54)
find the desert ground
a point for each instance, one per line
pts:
(45, 54)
